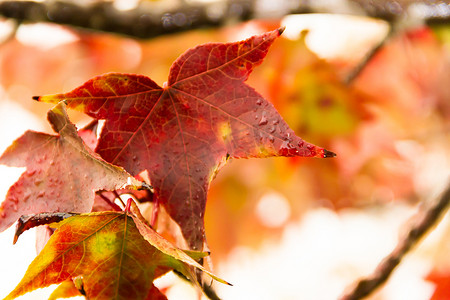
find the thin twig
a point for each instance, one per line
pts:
(361, 65)
(425, 219)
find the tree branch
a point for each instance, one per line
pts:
(425, 219)
(362, 64)
(153, 18)
(147, 20)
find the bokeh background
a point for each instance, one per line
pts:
(281, 228)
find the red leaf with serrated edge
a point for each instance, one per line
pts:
(62, 173)
(184, 132)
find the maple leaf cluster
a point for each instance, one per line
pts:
(176, 137)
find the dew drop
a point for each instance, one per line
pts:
(256, 117)
(31, 172)
(263, 121)
(134, 158)
(196, 197)
(271, 139)
(261, 137)
(301, 143)
(272, 129)
(289, 136)
(41, 194)
(52, 163)
(275, 122)
(286, 148)
(258, 102)
(197, 169)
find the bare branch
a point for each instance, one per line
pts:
(153, 18)
(361, 65)
(425, 219)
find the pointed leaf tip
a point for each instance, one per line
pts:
(327, 153)
(281, 30)
(36, 98)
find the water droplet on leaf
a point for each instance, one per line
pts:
(263, 121)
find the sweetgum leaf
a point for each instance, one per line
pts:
(62, 173)
(108, 252)
(183, 132)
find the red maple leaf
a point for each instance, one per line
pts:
(184, 132)
(62, 173)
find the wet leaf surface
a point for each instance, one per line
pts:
(184, 132)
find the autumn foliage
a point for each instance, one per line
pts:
(166, 142)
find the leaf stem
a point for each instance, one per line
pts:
(423, 221)
(362, 65)
(118, 198)
(108, 201)
(128, 206)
